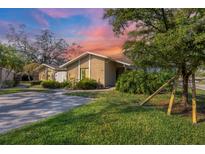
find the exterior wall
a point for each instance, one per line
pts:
(97, 70)
(51, 74)
(110, 73)
(84, 62)
(36, 76)
(42, 74)
(4, 74)
(102, 70)
(46, 74)
(73, 71)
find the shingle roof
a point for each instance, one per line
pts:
(54, 67)
(119, 58)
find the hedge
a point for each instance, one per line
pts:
(141, 82)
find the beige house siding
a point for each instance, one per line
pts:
(51, 74)
(84, 62)
(97, 69)
(101, 69)
(42, 74)
(73, 71)
(96, 66)
(110, 73)
(46, 74)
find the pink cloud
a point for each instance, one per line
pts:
(95, 31)
(40, 19)
(64, 13)
(98, 37)
(57, 13)
(101, 37)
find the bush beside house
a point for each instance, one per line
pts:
(86, 84)
(141, 82)
(82, 84)
(34, 83)
(54, 84)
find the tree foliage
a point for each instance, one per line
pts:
(169, 37)
(42, 48)
(141, 82)
(10, 58)
(164, 38)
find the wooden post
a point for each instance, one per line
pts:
(171, 101)
(194, 111)
(156, 92)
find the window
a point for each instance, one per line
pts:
(83, 73)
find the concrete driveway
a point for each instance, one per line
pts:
(19, 109)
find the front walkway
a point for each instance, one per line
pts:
(19, 109)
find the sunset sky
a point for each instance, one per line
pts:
(83, 26)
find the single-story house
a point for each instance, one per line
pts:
(50, 72)
(6, 74)
(105, 70)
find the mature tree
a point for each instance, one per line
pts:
(10, 59)
(29, 69)
(42, 48)
(164, 38)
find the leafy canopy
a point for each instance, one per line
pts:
(40, 48)
(10, 58)
(166, 38)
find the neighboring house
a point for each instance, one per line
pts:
(50, 72)
(105, 70)
(6, 74)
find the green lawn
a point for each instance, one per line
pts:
(113, 118)
(16, 90)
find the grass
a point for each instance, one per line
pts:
(112, 118)
(17, 90)
(88, 94)
(202, 82)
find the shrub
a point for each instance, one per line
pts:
(50, 84)
(140, 82)
(86, 84)
(55, 84)
(34, 83)
(65, 84)
(9, 83)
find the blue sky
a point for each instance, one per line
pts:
(83, 26)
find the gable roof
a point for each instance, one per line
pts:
(46, 65)
(121, 61)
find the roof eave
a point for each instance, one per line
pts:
(95, 54)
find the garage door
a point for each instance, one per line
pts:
(61, 76)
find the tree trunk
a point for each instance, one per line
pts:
(185, 86)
